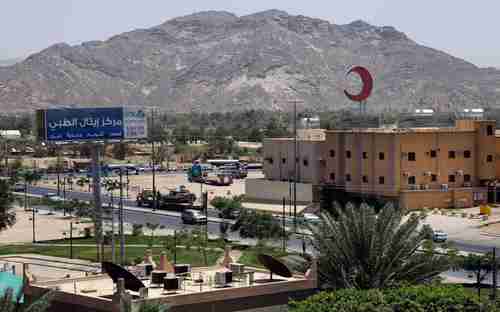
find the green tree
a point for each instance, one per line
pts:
(29, 177)
(119, 150)
(228, 208)
(10, 304)
(7, 216)
(260, 225)
(362, 249)
(418, 298)
(480, 265)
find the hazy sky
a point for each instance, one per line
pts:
(466, 29)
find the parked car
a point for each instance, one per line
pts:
(439, 236)
(53, 197)
(145, 198)
(19, 187)
(311, 218)
(191, 216)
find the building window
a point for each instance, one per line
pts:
(332, 153)
(305, 162)
(434, 177)
(381, 156)
(365, 155)
(466, 154)
(489, 158)
(332, 176)
(270, 160)
(381, 180)
(489, 130)
(451, 178)
(412, 156)
(466, 177)
(348, 178)
(283, 160)
(348, 154)
(433, 153)
(365, 179)
(412, 180)
(451, 154)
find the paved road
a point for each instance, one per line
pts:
(171, 220)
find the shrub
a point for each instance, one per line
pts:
(137, 230)
(409, 298)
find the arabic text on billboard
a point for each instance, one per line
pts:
(94, 124)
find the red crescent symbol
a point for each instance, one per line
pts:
(367, 80)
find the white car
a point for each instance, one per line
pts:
(439, 236)
(311, 218)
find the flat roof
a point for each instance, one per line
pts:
(402, 130)
(101, 287)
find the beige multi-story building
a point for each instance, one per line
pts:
(417, 167)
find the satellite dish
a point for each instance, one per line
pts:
(274, 266)
(116, 272)
(367, 81)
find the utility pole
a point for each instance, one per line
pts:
(113, 242)
(64, 196)
(71, 240)
(494, 294)
(96, 171)
(33, 219)
(122, 235)
(296, 163)
(153, 157)
(283, 220)
(58, 169)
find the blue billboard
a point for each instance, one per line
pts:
(89, 124)
(84, 124)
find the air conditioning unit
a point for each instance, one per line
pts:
(222, 279)
(460, 172)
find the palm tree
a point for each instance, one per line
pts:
(29, 177)
(7, 216)
(362, 249)
(8, 303)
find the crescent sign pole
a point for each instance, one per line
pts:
(366, 90)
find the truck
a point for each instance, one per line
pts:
(175, 199)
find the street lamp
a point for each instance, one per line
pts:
(33, 223)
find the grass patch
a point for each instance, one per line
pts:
(142, 240)
(133, 254)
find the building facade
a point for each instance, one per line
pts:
(418, 167)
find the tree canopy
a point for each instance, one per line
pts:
(363, 249)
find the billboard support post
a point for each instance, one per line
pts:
(96, 170)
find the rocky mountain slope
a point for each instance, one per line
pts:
(217, 61)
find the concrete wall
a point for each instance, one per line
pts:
(279, 160)
(456, 198)
(274, 191)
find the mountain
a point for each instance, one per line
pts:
(9, 62)
(217, 61)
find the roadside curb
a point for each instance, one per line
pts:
(489, 234)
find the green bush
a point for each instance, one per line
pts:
(419, 298)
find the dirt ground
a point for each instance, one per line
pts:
(492, 229)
